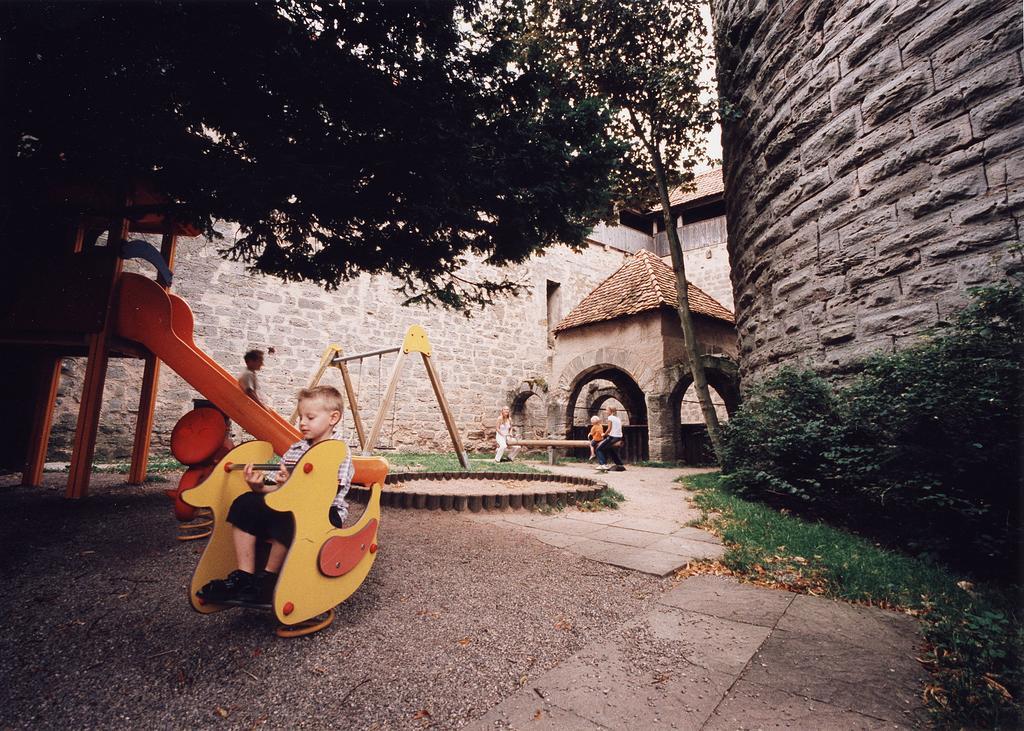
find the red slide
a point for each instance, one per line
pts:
(163, 322)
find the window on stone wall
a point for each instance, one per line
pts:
(554, 291)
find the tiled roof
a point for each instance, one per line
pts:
(707, 184)
(644, 282)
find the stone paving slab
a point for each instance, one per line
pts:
(596, 550)
(650, 525)
(706, 641)
(876, 681)
(750, 707)
(559, 524)
(723, 597)
(849, 623)
(603, 517)
(609, 685)
(623, 536)
(551, 538)
(644, 560)
(688, 547)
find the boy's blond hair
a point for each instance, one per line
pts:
(328, 396)
(595, 419)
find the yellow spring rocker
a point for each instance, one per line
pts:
(324, 565)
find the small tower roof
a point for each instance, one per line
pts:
(644, 282)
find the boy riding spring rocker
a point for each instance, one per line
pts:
(313, 564)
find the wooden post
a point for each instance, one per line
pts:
(382, 410)
(147, 395)
(42, 420)
(350, 392)
(449, 419)
(95, 378)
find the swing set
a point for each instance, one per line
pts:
(415, 341)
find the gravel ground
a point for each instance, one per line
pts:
(454, 617)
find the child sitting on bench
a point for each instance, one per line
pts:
(596, 434)
(320, 411)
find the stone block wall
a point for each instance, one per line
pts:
(481, 360)
(873, 169)
(708, 268)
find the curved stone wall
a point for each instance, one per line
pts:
(873, 167)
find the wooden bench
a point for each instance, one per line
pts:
(551, 444)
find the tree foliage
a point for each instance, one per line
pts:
(648, 63)
(358, 135)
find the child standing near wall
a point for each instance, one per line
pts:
(320, 411)
(596, 435)
(247, 380)
(502, 435)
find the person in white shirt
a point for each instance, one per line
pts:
(247, 380)
(503, 434)
(607, 447)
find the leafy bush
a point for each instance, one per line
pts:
(922, 447)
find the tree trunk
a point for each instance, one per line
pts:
(700, 381)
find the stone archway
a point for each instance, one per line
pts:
(596, 398)
(626, 388)
(529, 414)
(722, 374)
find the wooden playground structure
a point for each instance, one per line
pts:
(79, 260)
(96, 310)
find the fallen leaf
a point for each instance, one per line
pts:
(993, 683)
(563, 625)
(222, 712)
(538, 715)
(422, 713)
(465, 641)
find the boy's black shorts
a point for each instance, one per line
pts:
(250, 513)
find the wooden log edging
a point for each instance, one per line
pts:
(562, 490)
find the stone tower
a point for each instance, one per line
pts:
(873, 168)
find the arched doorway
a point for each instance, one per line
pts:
(529, 418)
(686, 418)
(613, 386)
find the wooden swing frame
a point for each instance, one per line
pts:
(415, 341)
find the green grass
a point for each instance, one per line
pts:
(448, 462)
(975, 633)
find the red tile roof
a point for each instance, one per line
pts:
(644, 282)
(706, 184)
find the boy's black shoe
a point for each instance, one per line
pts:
(265, 584)
(617, 468)
(238, 586)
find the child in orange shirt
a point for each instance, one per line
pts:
(596, 434)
